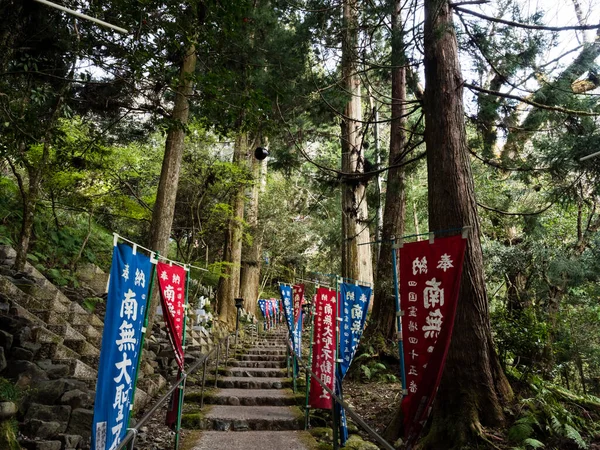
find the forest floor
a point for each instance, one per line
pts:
(375, 401)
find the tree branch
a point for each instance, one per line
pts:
(531, 102)
(525, 25)
(506, 213)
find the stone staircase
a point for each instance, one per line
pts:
(252, 407)
(51, 345)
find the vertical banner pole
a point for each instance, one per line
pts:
(182, 385)
(398, 317)
(310, 356)
(287, 362)
(143, 334)
(336, 444)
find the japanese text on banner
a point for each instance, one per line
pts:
(430, 280)
(121, 342)
(323, 364)
(171, 281)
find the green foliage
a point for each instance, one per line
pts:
(8, 391)
(548, 416)
(374, 370)
(91, 303)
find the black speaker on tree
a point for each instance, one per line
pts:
(261, 153)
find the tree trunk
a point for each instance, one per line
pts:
(473, 386)
(164, 208)
(383, 318)
(356, 258)
(229, 283)
(379, 180)
(250, 281)
(579, 362)
(30, 199)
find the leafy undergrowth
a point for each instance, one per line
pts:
(543, 415)
(551, 417)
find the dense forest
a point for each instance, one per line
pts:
(381, 119)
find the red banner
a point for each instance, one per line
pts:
(171, 281)
(298, 299)
(323, 363)
(430, 276)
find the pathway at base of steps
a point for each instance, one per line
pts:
(253, 407)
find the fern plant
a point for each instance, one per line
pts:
(544, 416)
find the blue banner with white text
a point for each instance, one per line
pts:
(354, 306)
(286, 297)
(121, 341)
(262, 304)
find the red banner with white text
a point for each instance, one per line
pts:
(430, 276)
(171, 280)
(297, 300)
(323, 363)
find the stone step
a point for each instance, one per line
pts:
(269, 347)
(91, 360)
(67, 332)
(245, 418)
(289, 440)
(42, 335)
(89, 353)
(245, 397)
(50, 317)
(41, 293)
(78, 369)
(19, 311)
(265, 351)
(17, 293)
(250, 383)
(252, 357)
(92, 335)
(54, 351)
(255, 372)
(265, 364)
(85, 318)
(74, 340)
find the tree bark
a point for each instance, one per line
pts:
(164, 208)
(251, 265)
(30, 199)
(473, 386)
(229, 283)
(382, 322)
(35, 172)
(356, 258)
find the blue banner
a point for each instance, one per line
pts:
(298, 336)
(262, 304)
(286, 297)
(353, 312)
(121, 340)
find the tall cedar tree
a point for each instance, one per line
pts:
(382, 322)
(356, 258)
(473, 387)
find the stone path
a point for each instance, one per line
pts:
(253, 407)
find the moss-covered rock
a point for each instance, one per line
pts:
(322, 433)
(355, 442)
(8, 435)
(192, 421)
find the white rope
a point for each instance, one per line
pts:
(153, 257)
(83, 16)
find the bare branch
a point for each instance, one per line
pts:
(532, 103)
(525, 25)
